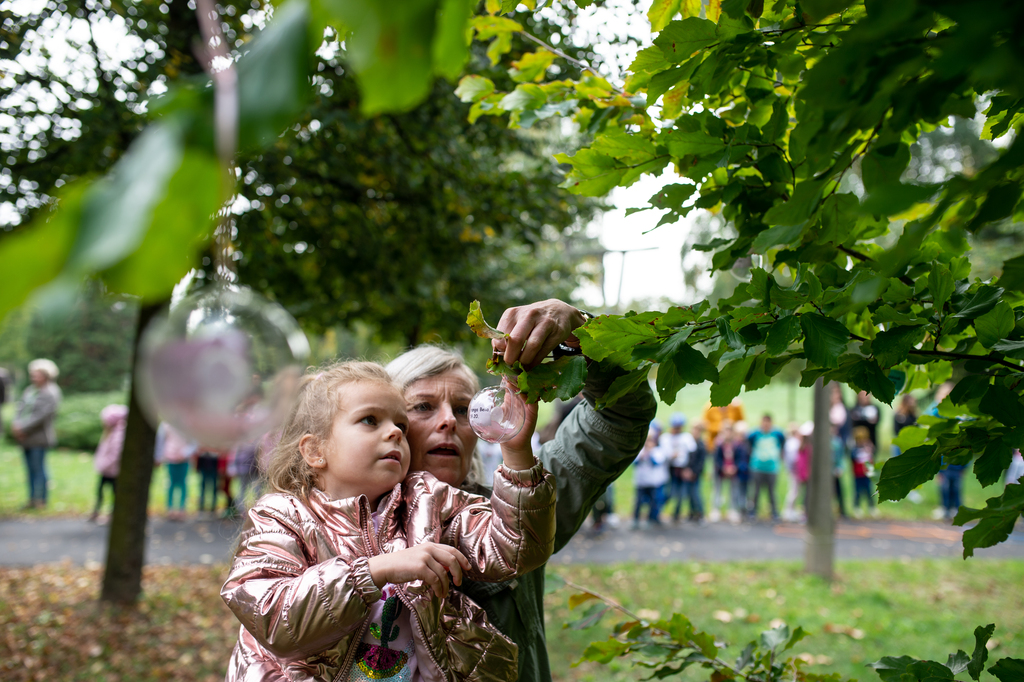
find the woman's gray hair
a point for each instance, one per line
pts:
(429, 360)
(47, 367)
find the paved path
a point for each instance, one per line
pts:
(26, 542)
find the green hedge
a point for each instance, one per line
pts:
(78, 419)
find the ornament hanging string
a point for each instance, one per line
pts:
(217, 61)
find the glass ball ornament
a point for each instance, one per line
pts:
(497, 414)
(222, 367)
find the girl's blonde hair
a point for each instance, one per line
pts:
(316, 406)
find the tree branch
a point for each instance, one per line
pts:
(867, 259)
(967, 356)
(571, 60)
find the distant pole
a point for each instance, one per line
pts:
(820, 522)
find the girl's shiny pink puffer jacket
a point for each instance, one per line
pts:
(300, 582)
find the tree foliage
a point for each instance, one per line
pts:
(761, 111)
(395, 221)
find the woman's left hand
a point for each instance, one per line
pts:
(535, 330)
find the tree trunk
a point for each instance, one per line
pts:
(820, 522)
(122, 579)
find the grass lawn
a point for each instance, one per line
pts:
(54, 628)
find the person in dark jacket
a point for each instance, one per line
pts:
(694, 471)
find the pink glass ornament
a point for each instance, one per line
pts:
(222, 367)
(497, 414)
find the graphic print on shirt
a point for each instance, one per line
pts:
(379, 661)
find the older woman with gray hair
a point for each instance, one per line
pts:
(34, 425)
(590, 450)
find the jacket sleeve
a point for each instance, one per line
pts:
(292, 606)
(44, 408)
(511, 534)
(594, 447)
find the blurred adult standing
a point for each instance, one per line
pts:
(34, 426)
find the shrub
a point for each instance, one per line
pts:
(78, 419)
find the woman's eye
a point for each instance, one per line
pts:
(461, 410)
(422, 407)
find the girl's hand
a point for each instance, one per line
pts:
(430, 562)
(517, 453)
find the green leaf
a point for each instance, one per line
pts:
(892, 668)
(994, 325)
(884, 165)
(623, 385)
(475, 320)
(825, 339)
(449, 50)
(890, 199)
(1008, 670)
(774, 638)
(984, 299)
(866, 375)
(724, 326)
(532, 67)
(526, 96)
(940, 283)
(929, 671)
(799, 207)
(179, 227)
(1012, 278)
(892, 346)
(1003, 404)
(605, 651)
(614, 337)
(958, 662)
(36, 254)
(693, 366)
(776, 236)
(680, 39)
(562, 378)
(696, 143)
(902, 474)
(474, 88)
(273, 76)
(995, 521)
(730, 380)
(781, 334)
(661, 12)
(971, 387)
(999, 204)
(981, 637)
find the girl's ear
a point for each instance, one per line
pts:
(309, 447)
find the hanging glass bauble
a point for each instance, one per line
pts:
(222, 367)
(497, 414)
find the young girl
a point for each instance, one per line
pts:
(863, 456)
(343, 572)
(108, 452)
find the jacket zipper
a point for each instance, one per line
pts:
(374, 551)
(373, 544)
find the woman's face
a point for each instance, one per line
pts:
(38, 377)
(441, 440)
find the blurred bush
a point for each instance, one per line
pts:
(78, 420)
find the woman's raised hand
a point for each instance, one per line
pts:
(430, 562)
(535, 330)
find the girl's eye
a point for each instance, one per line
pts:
(403, 427)
(369, 420)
